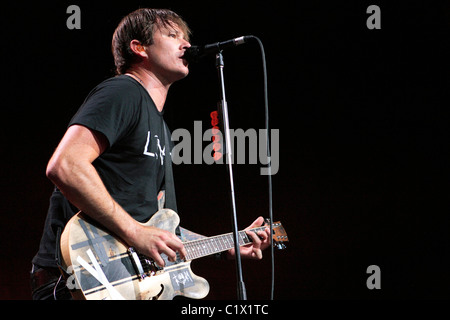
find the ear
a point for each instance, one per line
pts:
(138, 48)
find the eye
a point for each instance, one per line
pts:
(173, 35)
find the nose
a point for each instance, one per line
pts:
(185, 44)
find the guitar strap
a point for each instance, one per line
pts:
(171, 200)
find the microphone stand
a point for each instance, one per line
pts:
(223, 111)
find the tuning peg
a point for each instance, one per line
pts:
(280, 246)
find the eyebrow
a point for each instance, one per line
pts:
(172, 26)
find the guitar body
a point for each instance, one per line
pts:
(102, 266)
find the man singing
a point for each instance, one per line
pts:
(110, 162)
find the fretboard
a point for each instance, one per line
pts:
(208, 246)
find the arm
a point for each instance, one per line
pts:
(71, 170)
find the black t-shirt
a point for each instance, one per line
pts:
(132, 167)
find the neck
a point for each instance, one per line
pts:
(156, 88)
(211, 245)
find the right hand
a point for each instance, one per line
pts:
(152, 241)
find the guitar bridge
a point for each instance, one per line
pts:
(143, 266)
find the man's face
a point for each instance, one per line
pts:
(165, 54)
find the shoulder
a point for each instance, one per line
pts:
(112, 108)
(117, 93)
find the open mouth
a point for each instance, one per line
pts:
(185, 62)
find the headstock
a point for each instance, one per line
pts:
(279, 236)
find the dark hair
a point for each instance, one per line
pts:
(140, 25)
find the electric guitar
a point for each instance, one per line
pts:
(101, 266)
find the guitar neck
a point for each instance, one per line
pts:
(212, 245)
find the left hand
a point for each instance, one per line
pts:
(261, 241)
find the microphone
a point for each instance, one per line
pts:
(195, 53)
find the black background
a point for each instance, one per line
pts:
(363, 119)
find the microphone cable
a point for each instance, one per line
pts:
(269, 162)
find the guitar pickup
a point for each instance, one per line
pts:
(137, 265)
(143, 266)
